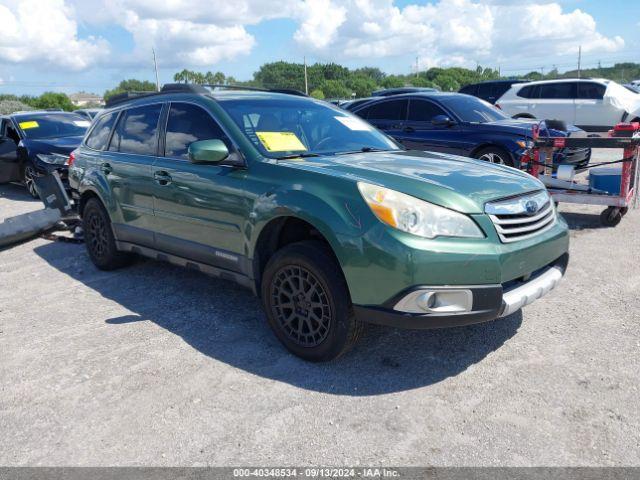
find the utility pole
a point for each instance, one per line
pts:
(155, 66)
(306, 80)
(579, 58)
(417, 66)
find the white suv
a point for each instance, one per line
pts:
(591, 104)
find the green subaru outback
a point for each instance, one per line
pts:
(324, 217)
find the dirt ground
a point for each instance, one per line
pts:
(156, 365)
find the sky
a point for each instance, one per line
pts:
(90, 45)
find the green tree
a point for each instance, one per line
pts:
(280, 75)
(374, 73)
(317, 93)
(393, 81)
(131, 85)
(335, 89)
(361, 86)
(52, 100)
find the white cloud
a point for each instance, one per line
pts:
(200, 33)
(462, 30)
(46, 33)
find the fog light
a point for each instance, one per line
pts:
(436, 301)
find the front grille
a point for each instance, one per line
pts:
(522, 217)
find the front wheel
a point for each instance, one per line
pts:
(99, 239)
(307, 302)
(28, 178)
(494, 155)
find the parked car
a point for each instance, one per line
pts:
(459, 124)
(489, 91)
(324, 217)
(40, 140)
(386, 92)
(591, 104)
(89, 113)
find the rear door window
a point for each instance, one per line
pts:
(592, 91)
(560, 90)
(484, 90)
(137, 131)
(99, 136)
(529, 91)
(469, 89)
(424, 111)
(186, 124)
(389, 110)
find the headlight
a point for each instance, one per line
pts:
(415, 216)
(53, 158)
(525, 143)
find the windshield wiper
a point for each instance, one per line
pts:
(365, 150)
(297, 155)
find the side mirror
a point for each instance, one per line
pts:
(442, 121)
(208, 151)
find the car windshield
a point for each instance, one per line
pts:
(299, 126)
(49, 125)
(472, 109)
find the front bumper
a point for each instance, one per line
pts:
(489, 301)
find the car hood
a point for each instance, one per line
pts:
(62, 145)
(522, 127)
(459, 183)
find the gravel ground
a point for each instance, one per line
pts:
(156, 365)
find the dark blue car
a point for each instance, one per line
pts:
(33, 142)
(459, 124)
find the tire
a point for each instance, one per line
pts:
(315, 333)
(495, 155)
(27, 174)
(611, 216)
(99, 239)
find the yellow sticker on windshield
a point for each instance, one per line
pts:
(281, 141)
(27, 125)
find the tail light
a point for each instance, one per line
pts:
(498, 106)
(72, 158)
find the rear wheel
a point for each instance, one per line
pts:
(99, 239)
(494, 155)
(307, 302)
(28, 178)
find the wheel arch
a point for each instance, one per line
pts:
(284, 230)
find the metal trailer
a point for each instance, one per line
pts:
(626, 136)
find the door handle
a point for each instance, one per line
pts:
(162, 178)
(408, 129)
(106, 168)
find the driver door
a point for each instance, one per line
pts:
(199, 209)
(9, 165)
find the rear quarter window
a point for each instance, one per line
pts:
(99, 136)
(529, 91)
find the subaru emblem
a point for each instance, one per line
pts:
(531, 207)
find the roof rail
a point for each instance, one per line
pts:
(123, 97)
(288, 91)
(194, 88)
(184, 87)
